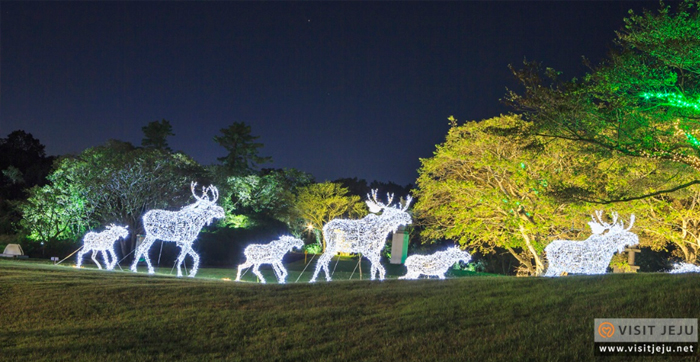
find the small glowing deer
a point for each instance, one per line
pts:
(272, 253)
(103, 242)
(435, 264)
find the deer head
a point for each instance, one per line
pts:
(395, 215)
(599, 226)
(119, 231)
(206, 206)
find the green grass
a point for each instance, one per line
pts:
(61, 313)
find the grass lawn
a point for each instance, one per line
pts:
(61, 313)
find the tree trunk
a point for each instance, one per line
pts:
(538, 262)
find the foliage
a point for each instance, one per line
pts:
(314, 248)
(486, 187)
(674, 218)
(319, 203)
(641, 101)
(155, 135)
(23, 164)
(267, 194)
(113, 183)
(242, 157)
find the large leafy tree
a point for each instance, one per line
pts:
(242, 148)
(267, 194)
(642, 101)
(486, 187)
(113, 183)
(155, 135)
(23, 164)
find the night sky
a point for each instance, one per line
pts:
(337, 89)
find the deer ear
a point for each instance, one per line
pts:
(373, 208)
(596, 228)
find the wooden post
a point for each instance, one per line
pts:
(630, 262)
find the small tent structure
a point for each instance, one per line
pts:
(13, 251)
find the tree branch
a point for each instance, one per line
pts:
(625, 199)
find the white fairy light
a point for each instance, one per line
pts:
(181, 226)
(593, 255)
(684, 268)
(366, 236)
(102, 242)
(271, 253)
(435, 264)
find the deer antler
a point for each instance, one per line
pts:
(599, 214)
(390, 198)
(205, 190)
(193, 185)
(408, 202)
(374, 204)
(631, 222)
(614, 220)
(214, 193)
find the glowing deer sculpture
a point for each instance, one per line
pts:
(593, 255)
(181, 226)
(366, 236)
(435, 264)
(272, 253)
(102, 242)
(684, 268)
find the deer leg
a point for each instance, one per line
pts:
(142, 250)
(281, 272)
(247, 264)
(114, 258)
(257, 272)
(376, 267)
(180, 260)
(94, 253)
(323, 264)
(195, 259)
(80, 256)
(105, 256)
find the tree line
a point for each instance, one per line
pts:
(54, 201)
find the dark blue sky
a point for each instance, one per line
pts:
(337, 89)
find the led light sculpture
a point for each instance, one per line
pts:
(435, 264)
(593, 255)
(272, 253)
(103, 242)
(366, 236)
(181, 226)
(685, 268)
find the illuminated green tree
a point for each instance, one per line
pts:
(487, 188)
(642, 101)
(113, 183)
(267, 194)
(318, 203)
